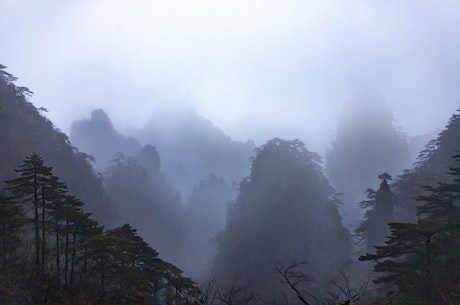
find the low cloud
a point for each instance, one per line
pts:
(257, 69)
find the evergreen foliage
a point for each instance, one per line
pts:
(52, 251)
(367, 143)
(286, 211)
(379, 206)
(24, 130)
(432, 167)
(146, 200)
(73, 260)
(422, 260)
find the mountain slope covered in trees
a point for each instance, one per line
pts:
(431, 168)
(52, 252)
(283, 241)
(147, 201)
(24, 130)
(286, 212)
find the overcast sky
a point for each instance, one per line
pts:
(257, 69)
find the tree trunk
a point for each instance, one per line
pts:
(43, 233)
(37, 235)
(58, 267)
(66, 250)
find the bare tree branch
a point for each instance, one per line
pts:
(291, 277)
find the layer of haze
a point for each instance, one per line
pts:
(257, 69)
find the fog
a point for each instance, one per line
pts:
(256, 69)
(236, 137)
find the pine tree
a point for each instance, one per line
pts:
(380, 205)
(54, 195)
(72, 215)
(84, 263)
(432, 167)
(422, 260)
(407, 260)
(366, 142)
(127, 278)
(30, 189)
(83, 230)
(124, 269)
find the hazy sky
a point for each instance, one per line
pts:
(257, 69)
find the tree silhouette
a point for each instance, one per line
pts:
(379, 206)
(422, 259)
(366, 143)
(32, 189)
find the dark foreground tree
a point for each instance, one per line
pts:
(73, 260)
(421, 261)
(34, 188)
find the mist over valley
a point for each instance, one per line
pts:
(208, 153)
